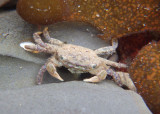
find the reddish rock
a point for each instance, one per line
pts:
(145, 72)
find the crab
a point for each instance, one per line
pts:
(77, 59)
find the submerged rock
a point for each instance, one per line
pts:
(145, 72)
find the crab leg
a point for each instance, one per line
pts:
(99, 77)
(121, 79)
(114, 64)
(40, 75)
(109, 50)
(51, 40)
(38, 39)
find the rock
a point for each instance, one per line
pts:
(113, 18)
(145, 72)
(8, 3)
(16, 73)
(72, 97)
(3, 2)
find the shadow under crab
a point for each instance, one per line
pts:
(77, 59)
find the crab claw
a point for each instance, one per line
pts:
(99, 77)
(45, 29)
(93, 79)
(23, 45)
(39, 33)
(59, 78)
(28, 46)
(52, 71)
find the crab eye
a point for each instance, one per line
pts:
(93, 65)
(61, 57)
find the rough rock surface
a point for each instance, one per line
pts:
(19, 94)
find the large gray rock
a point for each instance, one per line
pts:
(72, 98)
(16, 73)
(19, 94)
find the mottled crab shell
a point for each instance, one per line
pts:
(78, 57)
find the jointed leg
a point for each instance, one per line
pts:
(40, 74)
(38, 39)
(109, 50)
(99, 77)
(114, 64)
(121, 79)
(51, 40)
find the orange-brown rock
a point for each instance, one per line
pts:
(113, 18)
(145, 72)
